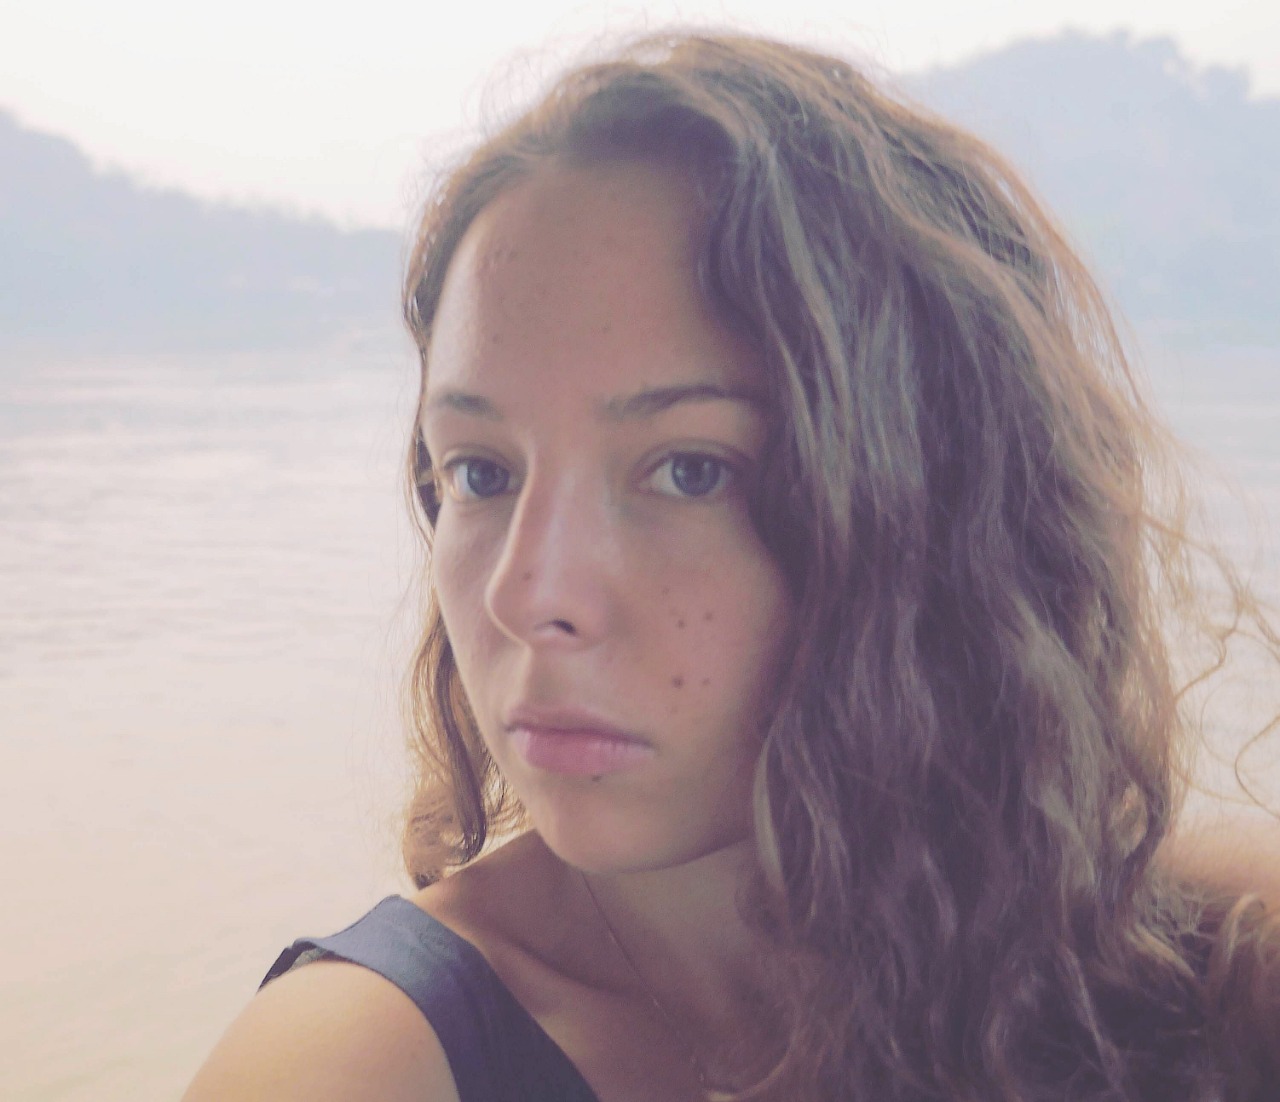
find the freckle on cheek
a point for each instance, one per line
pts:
(679, 623)
(706, 681)
(677, 682)
(707, 617)
(528, 576)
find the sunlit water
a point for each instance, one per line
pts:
(203, 569)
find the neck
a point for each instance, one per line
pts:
(675, 936)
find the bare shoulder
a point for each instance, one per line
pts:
(330, 1031)
(327, 1032)
(510, 899)
(1235, 852)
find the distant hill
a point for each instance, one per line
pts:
(1166, 175)
(96, 260)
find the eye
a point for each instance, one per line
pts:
(691, 474)
(473, 478)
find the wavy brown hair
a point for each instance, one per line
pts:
(980, 742)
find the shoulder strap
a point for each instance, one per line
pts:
(496, 1050)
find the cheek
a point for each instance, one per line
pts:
(458, 574)
(723, 641)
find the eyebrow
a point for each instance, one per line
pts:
(628, 407)
(461, 402)
(647, 403)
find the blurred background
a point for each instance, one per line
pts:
(206, 568)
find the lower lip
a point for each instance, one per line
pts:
(578, 753)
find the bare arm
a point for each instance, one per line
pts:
(327, 1032)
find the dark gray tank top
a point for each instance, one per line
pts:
(496, 1050)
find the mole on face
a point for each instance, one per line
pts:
(680, 623)
(707, 617)
(677, 682)
(706, 681)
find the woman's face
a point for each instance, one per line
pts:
(616, 620)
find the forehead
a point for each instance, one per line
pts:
(589, 271)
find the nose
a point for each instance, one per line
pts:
(552, 584)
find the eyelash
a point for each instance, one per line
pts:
(446, 476)
(727, 474)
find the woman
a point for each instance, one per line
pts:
(803, 562)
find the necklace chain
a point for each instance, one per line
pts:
(667, 1019)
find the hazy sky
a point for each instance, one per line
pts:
(339, 109)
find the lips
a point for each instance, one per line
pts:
(574, 743)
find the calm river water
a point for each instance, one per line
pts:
(204, 568)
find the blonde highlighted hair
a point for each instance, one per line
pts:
(978, 747)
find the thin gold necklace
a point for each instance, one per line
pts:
(711, 1092)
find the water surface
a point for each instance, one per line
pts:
(203, 563)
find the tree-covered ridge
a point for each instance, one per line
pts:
(88, 256)
(1167, 175)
